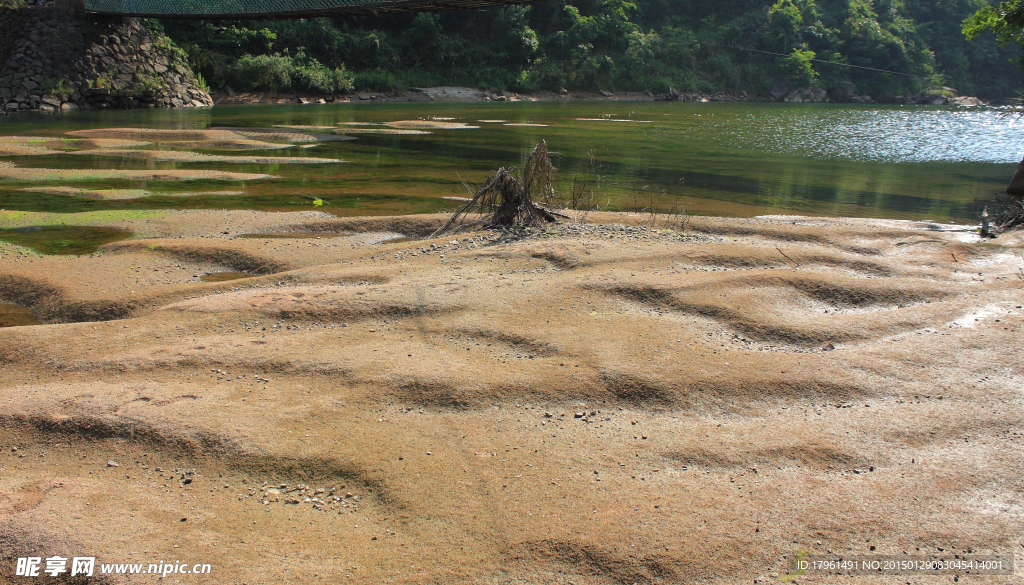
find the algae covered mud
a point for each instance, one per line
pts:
(371, 159)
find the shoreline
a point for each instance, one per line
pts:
(458, 94)
(442, 94)
(468, 94)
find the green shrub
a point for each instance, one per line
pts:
(727, 45)
(314, 76)
(283, 72)
(263, 72)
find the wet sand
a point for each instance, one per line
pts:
(600, 404)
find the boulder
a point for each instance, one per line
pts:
(779, 91)
(1016, 187)
(966, 101)
(843, 93)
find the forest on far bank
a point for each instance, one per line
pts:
(691, 45)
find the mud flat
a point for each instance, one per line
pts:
(9, 171)
(599, 404)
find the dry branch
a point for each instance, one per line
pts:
(507, 199)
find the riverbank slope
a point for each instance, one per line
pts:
(609, 402)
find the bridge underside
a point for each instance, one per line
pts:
(256, 9)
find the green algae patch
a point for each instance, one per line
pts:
(405, 131)
(50, 145)
(124, 194)
(19, 219)
(105, 142)
(292, 127)
(430, 125)
(187, 156)
(240, 143)
(104, 194)
(16, 316)
(15, 149)
(183, 138)
(9, 171)
(223, 276)
(154, 134)
(296, 235)
(64, 240)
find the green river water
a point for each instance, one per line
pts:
(736, 159)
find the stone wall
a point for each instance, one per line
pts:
(60, 58)
(10, 30)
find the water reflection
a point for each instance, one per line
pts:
(716, 158)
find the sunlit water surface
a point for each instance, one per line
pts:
(713, 158)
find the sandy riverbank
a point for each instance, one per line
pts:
(601, 404)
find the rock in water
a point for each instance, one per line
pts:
(780, 90)
(1016, 187)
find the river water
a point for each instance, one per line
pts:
(737, 159)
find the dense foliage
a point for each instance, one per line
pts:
(695, 45)
(1005, 19)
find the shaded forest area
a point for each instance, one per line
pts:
(691, 45)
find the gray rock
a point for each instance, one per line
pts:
(780, 90)
(966, 101)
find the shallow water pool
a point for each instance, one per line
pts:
(738, 159)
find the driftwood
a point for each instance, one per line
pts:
(507, 199)
(1007, 214)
